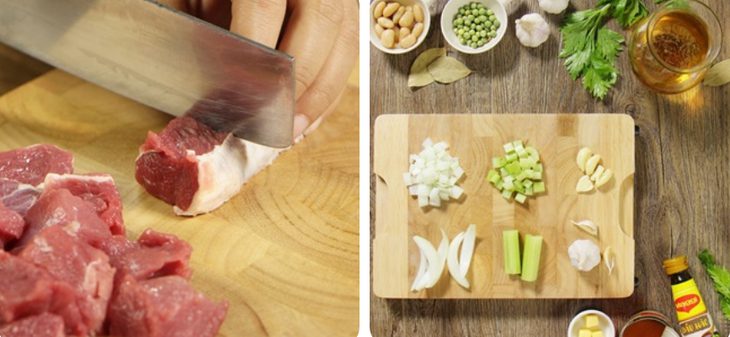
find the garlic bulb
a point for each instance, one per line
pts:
(532, 30)
(553, 6)
(584, 255)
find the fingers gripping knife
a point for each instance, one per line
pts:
(162, 58)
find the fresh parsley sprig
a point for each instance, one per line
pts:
(720, 277)
(590, 50)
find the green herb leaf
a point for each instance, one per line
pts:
(627, 12)
(608, 43)
(725, 307)
(720, 276)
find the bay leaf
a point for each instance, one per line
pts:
(718, 75)
(447, 69)
(419, 75)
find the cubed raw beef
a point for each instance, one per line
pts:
(60, 207)
(85, 268)
(153, 255)
(43, 325)
(27, 289)
(30, 165)
(97, 189)
(196, 169)
(17, 196)
(11, 225)
(163, 307)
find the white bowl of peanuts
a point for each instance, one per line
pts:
(398, 26)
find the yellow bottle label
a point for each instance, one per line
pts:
(694, 321)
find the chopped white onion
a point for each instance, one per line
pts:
(433, 175)
(453, 262)
(432, 260)
(467, 249)
(420, 273)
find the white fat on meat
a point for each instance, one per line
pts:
(223, 171)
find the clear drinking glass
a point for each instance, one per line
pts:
(671, 50)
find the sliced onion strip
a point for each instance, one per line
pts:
(453, 262)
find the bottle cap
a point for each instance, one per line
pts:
(675, 265)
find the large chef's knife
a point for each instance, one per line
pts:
(162, 58)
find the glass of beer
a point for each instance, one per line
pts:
(671, 50)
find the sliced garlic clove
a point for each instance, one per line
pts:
(597, 174)
(592, 163)
(582, 158)
(609, 259)
(604, 178)
(584, 185)
(587, 226)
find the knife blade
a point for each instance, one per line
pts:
(163, 58)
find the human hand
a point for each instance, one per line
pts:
(320, 34)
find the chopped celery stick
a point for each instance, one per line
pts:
(507, 194)
(499, 185)
(529, 191)
(518, 143)
(509, 185)
(537, 168)
(520, 198)
(511, 157)
(513, 168)
(526, 163)
(538, 187)
(519, 187)
(498, 162)
(531, 258)
(521, 152)
(522, 176)
(503, 172)
(533, 153)
(511, 249)
(536, 176)
(527, 183)
(509, 148)
(493, 176)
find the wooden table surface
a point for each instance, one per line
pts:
(682, 182)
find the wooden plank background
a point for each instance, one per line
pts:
(682, 177)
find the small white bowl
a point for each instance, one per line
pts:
(447, 24)
(604, 322)
(375, 40)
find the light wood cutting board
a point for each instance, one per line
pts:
(283, 253)
(475, 139)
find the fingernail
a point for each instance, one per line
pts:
(301, 122)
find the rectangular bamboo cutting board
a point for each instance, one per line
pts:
(475, 139)
(283, 252)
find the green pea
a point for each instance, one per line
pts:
(496, 24)
(480, 28)
(473, 5)
(490, 12)
(475, 38)
(483, 33)
(492, 34)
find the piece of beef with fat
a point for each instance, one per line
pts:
(97, 189)
(85, 268)
(196, 169)
(18, 196)
(163, 307)
(153, 255)
(61, 208)
(11, 225)
(27, 289)
(43, 325)
(31, 164)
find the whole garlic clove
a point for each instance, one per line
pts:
(582, 158)
(532, 30)
(553, 6)
(587, 226)
(592, 163)
(604, 178)
(597, 174)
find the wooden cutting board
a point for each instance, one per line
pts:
(475, 139)
(283, 253)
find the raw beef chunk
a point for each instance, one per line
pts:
(153, 255)
(30, 165)
(43, 325)
(17, 196)
(196, 169)
(11, 225)
(26, 289)
(97, 189)
(60, 207)
(163, 307)
(85, 268)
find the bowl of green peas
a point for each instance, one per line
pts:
(473, 26)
